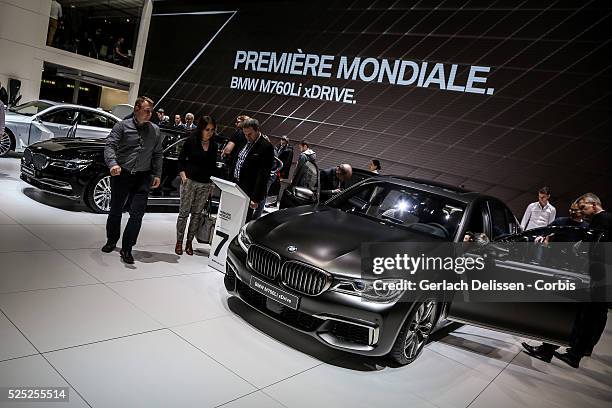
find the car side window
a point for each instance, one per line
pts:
(59, 116)
(499, 223)
(560, 248)
(95, 119)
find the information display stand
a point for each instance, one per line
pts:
(233, 208)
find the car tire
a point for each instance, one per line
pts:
(98, 194)
(7, 143)
(415, 332)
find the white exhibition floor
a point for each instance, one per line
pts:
(162, 333)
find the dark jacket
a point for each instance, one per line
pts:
(285, 154)
(198, 165)
(602, 222)
(329, 182)
(256, 168)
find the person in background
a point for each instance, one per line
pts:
(591, 321)
(254, 165)
(54, 18)
(189, 125)
(133, 153)
(283, 152)
(177, 122)
(235, 144)
(541, 213)
(162, 119)
(197, 163)
(333, 180)
(575, 218)
(374, 166)
(306, 155)
(119, 57)
(545, 351)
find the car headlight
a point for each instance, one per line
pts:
(243, 238)
(72, 164)
(378, 290)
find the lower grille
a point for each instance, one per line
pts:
(40, 161)
(304, 278)
(350, 332)
(264, 261)
(285, 314)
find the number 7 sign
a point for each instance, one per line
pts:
(231, 216)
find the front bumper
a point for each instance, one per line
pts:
(64, 185)
(341, 321)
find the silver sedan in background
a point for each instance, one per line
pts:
(39, 120)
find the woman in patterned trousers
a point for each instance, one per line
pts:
(197, 163)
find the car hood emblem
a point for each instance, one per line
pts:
(291, 248)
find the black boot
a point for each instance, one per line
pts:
(126, 256)
(540, 352)
(569, 358)
(109, 247)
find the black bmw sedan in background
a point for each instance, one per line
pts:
(74, 168)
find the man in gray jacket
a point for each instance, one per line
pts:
(133, 153)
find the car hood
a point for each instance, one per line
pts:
(69, 147)
(326, 237)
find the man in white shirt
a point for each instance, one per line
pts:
(541, 213)
(54, 17)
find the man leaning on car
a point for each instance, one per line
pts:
(133, 153)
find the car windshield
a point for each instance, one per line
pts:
(30, 108)
(403, 206)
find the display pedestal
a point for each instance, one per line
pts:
(233, 208)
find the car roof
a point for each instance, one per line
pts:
(88, 108)
(446, 190)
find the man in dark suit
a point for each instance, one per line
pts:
(592, 319)
(333, 180)
(254, 164)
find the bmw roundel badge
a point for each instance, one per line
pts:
(292, 248)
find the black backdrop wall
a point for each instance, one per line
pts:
(535, 110)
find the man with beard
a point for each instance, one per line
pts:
(255, 161)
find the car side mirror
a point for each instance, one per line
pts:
(303, 193)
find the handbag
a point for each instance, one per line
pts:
(207, 225)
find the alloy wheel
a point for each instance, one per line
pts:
(5, 144)
(102, 194)
(419, 329)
